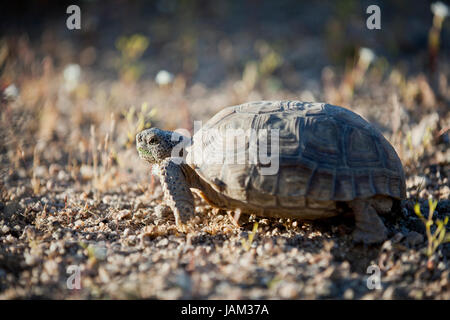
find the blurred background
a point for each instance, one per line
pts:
(76, 98)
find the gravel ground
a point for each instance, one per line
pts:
(75, 197)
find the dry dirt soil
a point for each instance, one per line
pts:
(75, 197)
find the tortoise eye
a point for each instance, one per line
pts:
(153, 140)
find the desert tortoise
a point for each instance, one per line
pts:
(330, 161)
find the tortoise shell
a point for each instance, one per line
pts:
(326, 153)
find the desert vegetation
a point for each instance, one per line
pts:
(75, 193)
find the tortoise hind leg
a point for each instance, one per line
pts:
(369, 228)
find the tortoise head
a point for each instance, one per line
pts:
(154, 145)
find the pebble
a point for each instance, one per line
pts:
(62, 175)
(79, 223)
(37, 207)
(40, 171)
(387, 245)
(5, 229)
(54, 169)
(103, 275)
(139, 205)
(30, 259)
(388, 294)
(414, 238)
(288, 291)
(29, 232)
(161, 211)
(162, 243)
(131, 240)
(397, 237)
(100, 252)
(124, 214)
(349, 294)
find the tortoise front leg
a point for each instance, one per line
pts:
(369, 228)
(177, 194)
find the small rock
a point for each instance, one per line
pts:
(387, 245)
(124, 214)
(107, 199)
(99, 251)
(29, 232)
(414, 238)
(139, 205)
(37, 207)
(103, 275)
(162, 211)
(389, 293)
(162, 243)
(349, 294)
(79, 223)
(62, 175)
(397, 237)
(11, 208)
(183, 280)
(50, 184)
(131, 240)
(289, 291)
(30, 259)
(40, 171)
(5, 229)
(54, 169)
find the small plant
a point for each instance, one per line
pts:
(262, 69)
(247, 243)
(35, 182)
(131, 49)
(354, 75)
(138, 120)
(103, 156)
(416, 151)
(440, 11)
(436, 238)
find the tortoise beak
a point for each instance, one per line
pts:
(142, 149)
(144, 153)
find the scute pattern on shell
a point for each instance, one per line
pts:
(326, 153)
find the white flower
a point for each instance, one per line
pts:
(163, 77)
(439, 9)
(11, 92)
(366, 55)
(72, 75)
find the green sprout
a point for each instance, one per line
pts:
(131, 50)
(138, 120)
(254, 71)
(436, 238)
(247, 244)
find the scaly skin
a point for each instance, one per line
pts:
(155, 146)
(305, 187)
